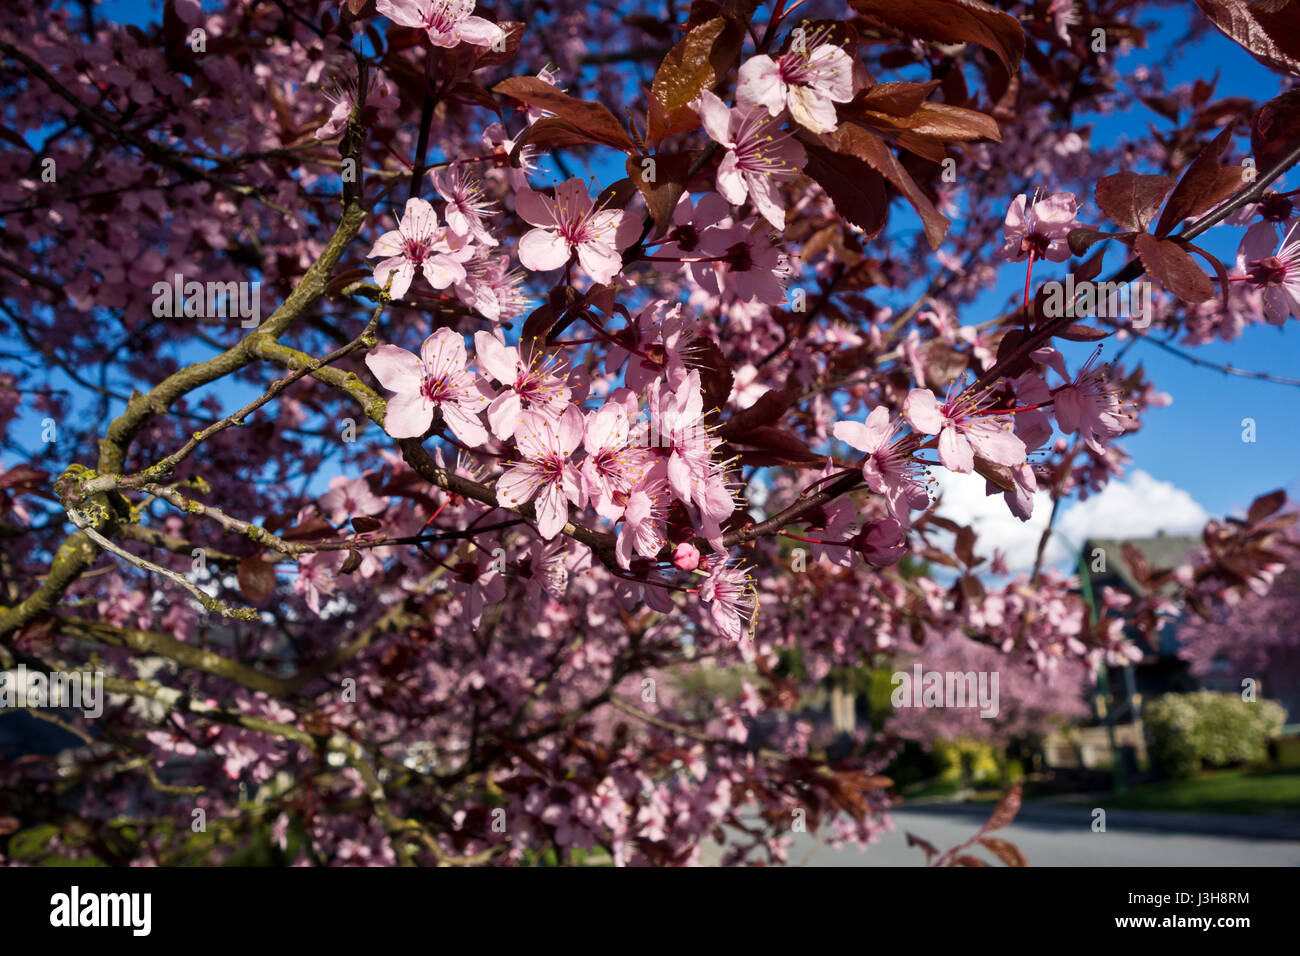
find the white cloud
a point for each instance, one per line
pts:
(997, 528)
(1137, 507)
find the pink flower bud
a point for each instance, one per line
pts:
(686, 557)
(882, 542)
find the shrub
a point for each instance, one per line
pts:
(1188, 731)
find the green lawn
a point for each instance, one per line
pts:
(1220, 791)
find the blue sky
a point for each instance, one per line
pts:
(1195, 444)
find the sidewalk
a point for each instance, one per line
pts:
(1260, 826)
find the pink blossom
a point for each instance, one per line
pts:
(418, 242)
(436, 381)
(1275, 274)
(123, 608)
(809, 81)
(655, 344)
(174, 743)
(1041, 229)
(381, 98)
(1021, 499)
(883, 542)
(686, 557)
(677, 432)
(758, 157)
(887, 469)
(491, 288)
(544, 572)
(466, 206)
(728, 592)
(750, 265)
(533, 387)
(571, 225)
(534, 113)
(1088, 405)
(447, 23)
(477, 578)
(645, 521)
(316, 577)
(612, 465)
(964, 429)
(349, 498)
(688, 237)
(545, 472)
(746, 389)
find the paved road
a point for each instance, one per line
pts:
(1054, 844)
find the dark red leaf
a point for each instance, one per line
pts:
(716, 377)
(766, 411)
(857, 190)
(312, 529)
(1167, 261)
(1137, 563)
(929, 848)
(1131, 200)
(1265, 505)
(1270, 36)
(951, 21)
(661, 182)
(514, 32)
(1204, 184)
(1275, 129)
(854, 140)
(964, 546)
(697, 63)
(894, 99)
(1083, 333)
(256, 579)
(586, 122)
(1005, 851)
(949, 124)
(789, 448)
(1004, 812)
(1081, 240)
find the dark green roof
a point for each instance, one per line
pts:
(1162, 551)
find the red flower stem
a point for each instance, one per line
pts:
(837, 544)
(433, 517)
(1029, 274)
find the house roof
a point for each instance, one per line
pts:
(1162, 551)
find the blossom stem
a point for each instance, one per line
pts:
(433, 517)
(400, 158)
(609, 337)
(1029, 274)
(799, 537)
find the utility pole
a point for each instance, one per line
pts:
(1103, 679)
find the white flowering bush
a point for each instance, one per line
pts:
(1188, 731)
